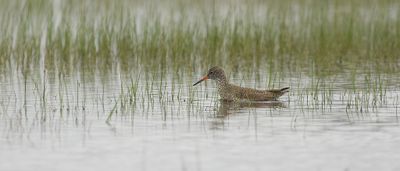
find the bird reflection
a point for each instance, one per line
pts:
(227, 108)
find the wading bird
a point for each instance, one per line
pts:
(230, 92)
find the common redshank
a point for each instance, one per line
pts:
(230, 92)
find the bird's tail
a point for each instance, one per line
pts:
(284, 90)
(279, 92)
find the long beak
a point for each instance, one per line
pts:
(202, 79)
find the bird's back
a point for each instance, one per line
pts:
(233, 92)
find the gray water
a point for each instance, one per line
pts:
(171, 125)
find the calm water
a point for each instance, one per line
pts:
(173, 126)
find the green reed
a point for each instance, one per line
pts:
(288, 36)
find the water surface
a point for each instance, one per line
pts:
(192, 130)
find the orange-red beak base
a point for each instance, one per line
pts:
(202, 79)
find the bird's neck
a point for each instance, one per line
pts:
(222, 81)
(223, 88)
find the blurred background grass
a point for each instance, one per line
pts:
(319, 38)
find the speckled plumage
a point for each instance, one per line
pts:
(232, 92)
